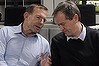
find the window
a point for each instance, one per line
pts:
(14, 3)
(94, 2)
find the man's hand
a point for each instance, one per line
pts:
(45, 61)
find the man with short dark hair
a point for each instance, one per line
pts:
(76, 45)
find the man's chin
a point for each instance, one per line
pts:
(37, 31)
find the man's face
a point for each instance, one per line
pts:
(67, 26)
(36, 20)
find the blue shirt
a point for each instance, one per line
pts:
(19, 50)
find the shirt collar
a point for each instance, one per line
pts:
(82, 34)
(19, 30)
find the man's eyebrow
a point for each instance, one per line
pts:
(42, 17)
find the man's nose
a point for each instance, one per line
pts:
(42, 21)
(61, 27)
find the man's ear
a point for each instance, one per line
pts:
(75, 18)
(26, 14)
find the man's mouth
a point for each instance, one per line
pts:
(38, 27)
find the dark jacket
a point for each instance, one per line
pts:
(76, 52)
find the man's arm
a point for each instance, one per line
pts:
(2, 52)
(2, 48)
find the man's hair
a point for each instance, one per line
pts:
(68, 8)
(30, 8)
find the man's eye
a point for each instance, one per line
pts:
(61, 24)
(45, 20)
(58, 24)
(38, 17)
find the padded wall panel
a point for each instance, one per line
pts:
(88, 16)
(53, 32)
(44, 32)
(13, 15)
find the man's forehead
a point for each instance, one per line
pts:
(41, 12)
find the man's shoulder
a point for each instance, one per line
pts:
(7, 27)
(92, 31)
(59, 36)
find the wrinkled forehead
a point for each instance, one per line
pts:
(41, 12)
(59, 17)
